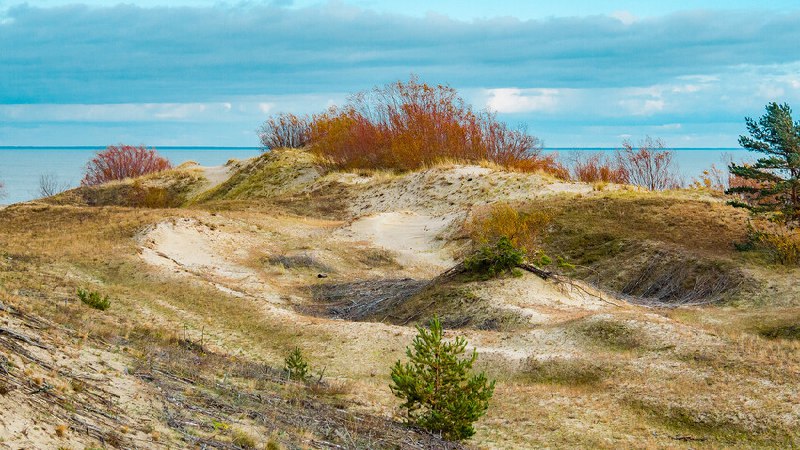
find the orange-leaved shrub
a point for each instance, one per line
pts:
(285, 130)
(596, 167)
(649, 165)
(118, 162)
(408, 125)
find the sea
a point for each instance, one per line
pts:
(22, 167)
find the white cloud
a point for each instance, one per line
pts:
(513, 100)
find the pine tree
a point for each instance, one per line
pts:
(439, 393)
(296, 366)
(772, 183)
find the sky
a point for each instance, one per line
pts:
(576, 73)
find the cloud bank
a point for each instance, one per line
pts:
(184, 64)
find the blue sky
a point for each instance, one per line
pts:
(577, 73)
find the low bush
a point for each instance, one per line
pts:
(285, 130)
(118, 162)
(524, 229)
(783, 244)
(649, 165)
(94, 299)
(596, 168)
(439, 393)
(494, 260)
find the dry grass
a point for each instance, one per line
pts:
(708, 377)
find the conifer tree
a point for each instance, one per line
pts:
(440, 394)
(296, 366)
(772, 183)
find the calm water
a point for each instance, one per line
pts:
(21, 167)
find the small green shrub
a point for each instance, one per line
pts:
(94, 299)
(438, 393)
(296, 366)
(493, 260)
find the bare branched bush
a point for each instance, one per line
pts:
(50, 185)
(118, 162)
(649, 165)
(285, 130)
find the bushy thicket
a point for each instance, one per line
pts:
(118, 162)
(439, 392)
(408, 125)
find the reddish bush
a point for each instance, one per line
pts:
(650, 165)
(285, 130)
(118, 162)
(407, 125)
(596, 167)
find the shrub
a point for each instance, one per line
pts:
(118, 162)
(50, 185)
(438, 392)
(524, 229)
(296, 366)
(493, 260)
(408, 125)
(782, 243)
(650, 165)
(285, 130)
(596, 167)
(94, 299)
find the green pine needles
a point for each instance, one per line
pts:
(94, 299)
(493, 260)
(439, 392)
(772, 183)
(296, 366)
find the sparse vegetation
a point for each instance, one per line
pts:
(50, 185)
(613, 334)
(564, 371)
(94, 299)
(438, 392)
